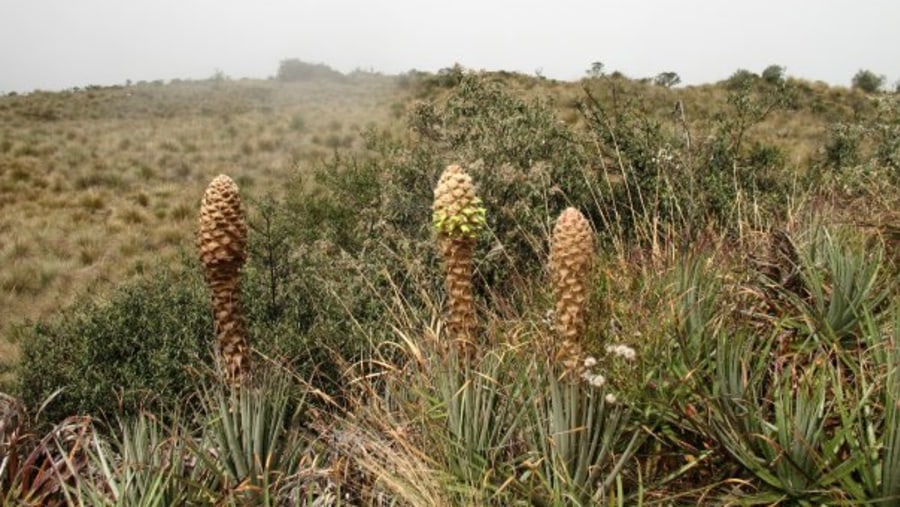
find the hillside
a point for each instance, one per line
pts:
(461, 288)
(100, 184)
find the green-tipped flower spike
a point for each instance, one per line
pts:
(458, 217)
(222, 248)
(457, 211)
(571, 259)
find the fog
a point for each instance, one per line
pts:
(57, 44)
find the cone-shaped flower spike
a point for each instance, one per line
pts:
(571, 259)
(458, 218)
(222, 246)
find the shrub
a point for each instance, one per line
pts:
(773, 74)
(886, 134)
(152, 341)
(842, 149)
(293, 69)
(145, 346)
(596, 69)
(662, 183)
(667, 79)
(740, 79)
(868, 81)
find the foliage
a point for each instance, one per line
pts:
(153, 341)
(773, 74)
(741, 78)
(844, 289)
(147, 346)
(667, 79)
(252, 439)
(868, 81)
(596, 69)
(875, 139)
(666, 180)
(579, 438)
(293, 69)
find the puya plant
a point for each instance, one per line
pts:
(580, 436)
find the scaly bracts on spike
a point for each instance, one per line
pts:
(222, 246)
(571, 260)
(458, 218)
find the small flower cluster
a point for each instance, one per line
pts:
(623, 351)
(665, 157)
(594, 379)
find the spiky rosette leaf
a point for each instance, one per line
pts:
(457, 210)
(571, 259)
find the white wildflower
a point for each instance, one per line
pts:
(610, 398)
(623, 351)
(597, 381)
(590, 362)
(549, 318)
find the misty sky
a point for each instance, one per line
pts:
(55, 44)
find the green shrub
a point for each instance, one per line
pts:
(293, 69)
(741, 78)
(667, 79)
(868, 81)
(842, 150)
(148, 344)
(773, 74)
(526, 164)
(886, 135)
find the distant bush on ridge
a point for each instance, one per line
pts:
(293, 69)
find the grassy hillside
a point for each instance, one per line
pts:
(625, 294)
(97, 185)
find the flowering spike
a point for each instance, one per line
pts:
(221, 244)
(458, 219)
(571, 259)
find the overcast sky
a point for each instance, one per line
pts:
(55, 44)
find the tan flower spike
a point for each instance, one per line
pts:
(458, 218)
(571, 259)
(222, 245)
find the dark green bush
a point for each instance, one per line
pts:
(527, 165)
(868, 81)
(293, 69)
(740, 79)
(147, 344)
(667, 79)
(842, 150)
(773, 74)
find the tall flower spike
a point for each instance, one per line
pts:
(458, 217)
(571, 260)
(221, 244)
